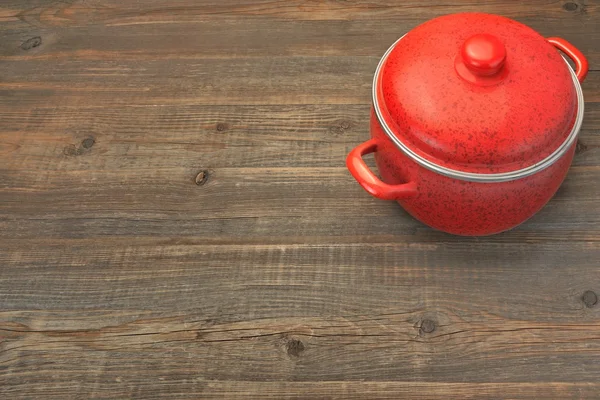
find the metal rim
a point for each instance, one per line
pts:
(473, 176)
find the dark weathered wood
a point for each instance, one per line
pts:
(169, 204)
(227, 312)
(243, 37)
(204, 313)
(246, 157)
(272, 135)
(176, 220)
(216, 81)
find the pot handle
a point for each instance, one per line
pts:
(371, 183)
(581, 63)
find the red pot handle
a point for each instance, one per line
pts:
(581, 63)
(369, 181)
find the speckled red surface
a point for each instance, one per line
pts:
(514, 119)
(461, 207)
(452, 122)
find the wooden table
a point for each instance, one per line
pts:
(176, 220)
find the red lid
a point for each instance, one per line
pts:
(478, 92)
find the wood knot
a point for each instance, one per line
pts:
(570, 6)
(87, 143)
(294, 347)
(71, 150)
(589, 298)
(580, 147)
(31, 43)
(202, 177)
(84, 145)
(341, 127)
(221, 127)
(427, 326)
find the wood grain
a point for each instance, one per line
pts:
(176, 220)
(237, 313)
(118, 13)
(118, 30)
(247, 160)
(241, 37)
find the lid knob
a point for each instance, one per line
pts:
(483, 54)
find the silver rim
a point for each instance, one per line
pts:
(479, 177)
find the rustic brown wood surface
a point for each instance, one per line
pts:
(176, 220)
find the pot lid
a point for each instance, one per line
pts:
(477, 92)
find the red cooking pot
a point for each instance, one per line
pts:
(474, 123)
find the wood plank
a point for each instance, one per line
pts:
(239, 204)
(128, 138)
(211, 126)
(239, 313)
(275, 81)
(152, 11)
(93, 273)
(171, 387)
(296, 80)
(118, 30)
(236, 38)
(391, 390)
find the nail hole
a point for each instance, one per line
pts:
(345, 125)
(589, 298)
(295, 347)
(222, 127)
(201, 178)
(31, 43)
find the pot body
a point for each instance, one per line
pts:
(474, 123)
(463, 207)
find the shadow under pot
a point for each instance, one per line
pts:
(474, 123)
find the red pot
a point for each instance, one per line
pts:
(474, 123)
